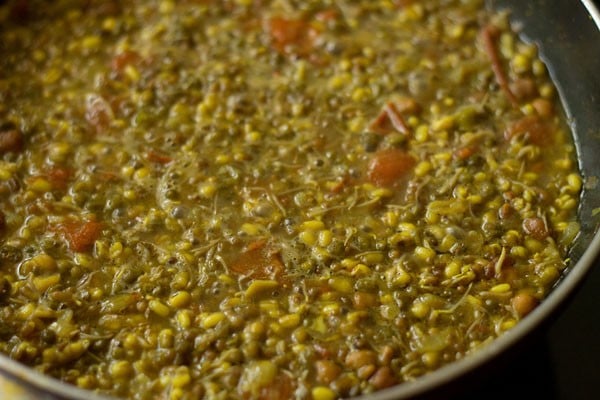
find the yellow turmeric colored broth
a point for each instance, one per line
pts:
(272, 199)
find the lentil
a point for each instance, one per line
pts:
(272, 199)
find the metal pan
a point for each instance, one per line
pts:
(568, 35)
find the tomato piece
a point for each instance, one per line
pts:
(81, 235)
(291, 35)
(537, 130)
(259, 261)
(388, 166)
(285, 31)
(59, 177)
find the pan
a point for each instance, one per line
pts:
(567, 33)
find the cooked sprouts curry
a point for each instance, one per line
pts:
(277, 199)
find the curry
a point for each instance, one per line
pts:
(272, 199)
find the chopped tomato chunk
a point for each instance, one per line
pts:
(291, 35)
(388, 166)
(537, 130)
(59, 177)
(81, 235)
(259, 261)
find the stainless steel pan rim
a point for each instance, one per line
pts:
(53, 388)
